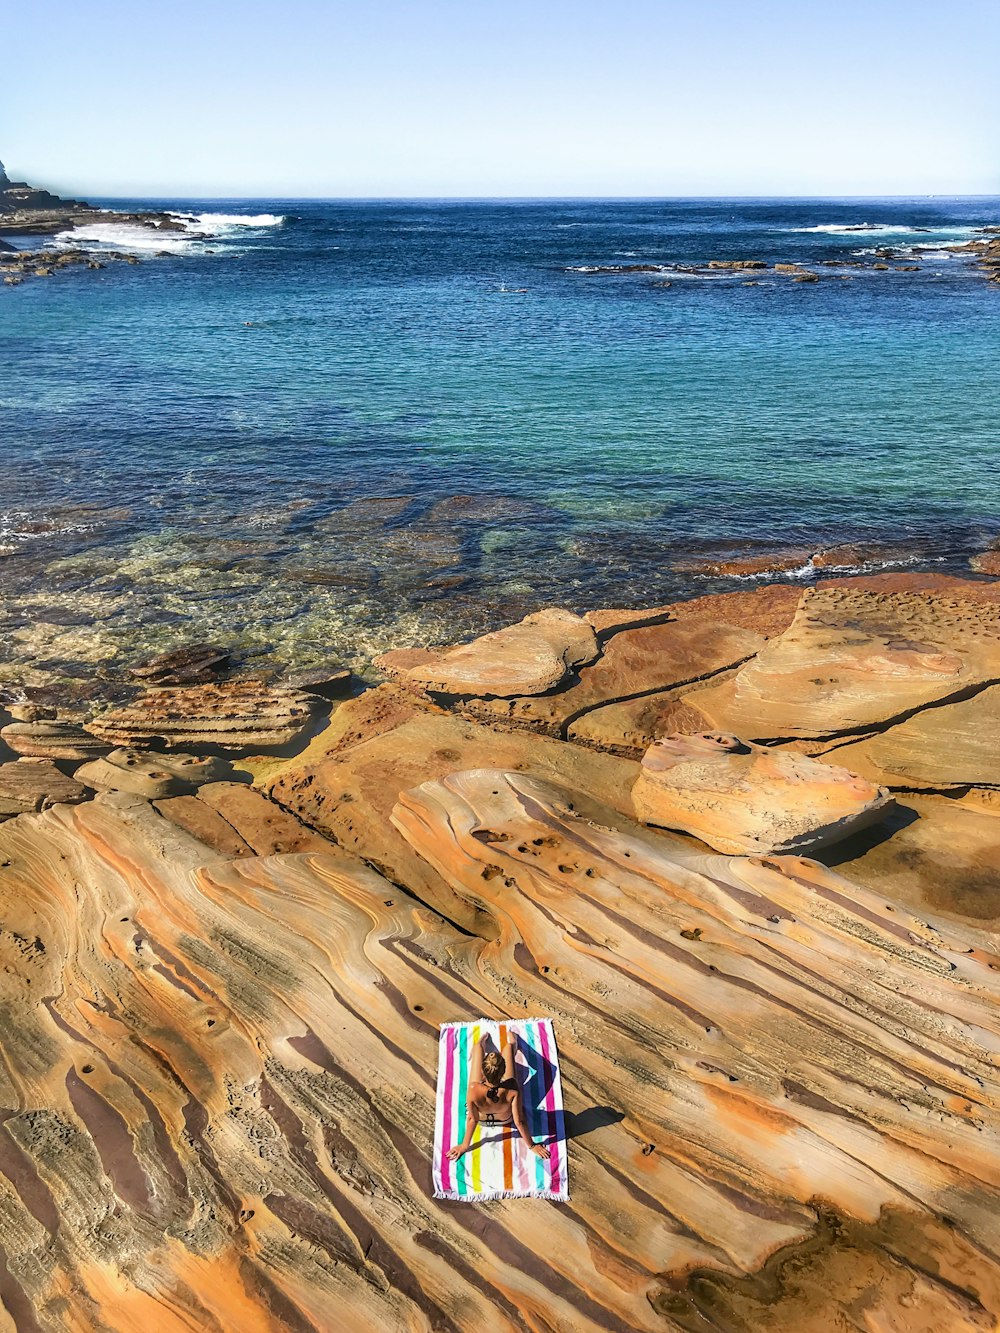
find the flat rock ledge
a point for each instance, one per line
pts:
(222, 996)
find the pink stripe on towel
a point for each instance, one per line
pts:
(550, 1110)
(446, 1139)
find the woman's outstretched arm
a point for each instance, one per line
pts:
(476, 1062)
(471, 1121)
(508, 1062)
(517, 1110)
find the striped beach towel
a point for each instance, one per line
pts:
(499, 1165)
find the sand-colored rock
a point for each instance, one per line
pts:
(632, 662)
(263, 825)
(205, 824)
(398, 662)
(35, 784)
(855, 659)
(630, 726)
(221, 1114)
(216, 1091)
(394, 745)
(747, 799)
(782, 979)
(153, 776)
(953, 744)
(938, 856)
(986, 562)
(49, 739)
(241, 714)
(528, 658)
(648, 655)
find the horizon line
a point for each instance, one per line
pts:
(533, 198)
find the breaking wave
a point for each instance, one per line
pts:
(193, 230)
(880, 229)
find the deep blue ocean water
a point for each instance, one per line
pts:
(347, 425)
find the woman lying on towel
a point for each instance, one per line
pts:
(494, 1099)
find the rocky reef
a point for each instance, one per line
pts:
(233, 915)
(27, 211)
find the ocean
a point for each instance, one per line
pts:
(314, 430)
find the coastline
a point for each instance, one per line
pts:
(247, 953)
(304, 754)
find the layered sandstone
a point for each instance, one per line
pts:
(528, 658)
(221, 1006)
(746, 799)
(240, 714)
(855, 658)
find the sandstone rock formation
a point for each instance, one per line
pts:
(52, 739)
(194, 664)
(640, 661)
(154, 776)
(240, 714)
(35, 784)
(747, 566)
(953, 746)
(854, 659)
(746, 799)
(528, 658)
(221, 1008)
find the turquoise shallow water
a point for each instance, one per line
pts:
(441, 418)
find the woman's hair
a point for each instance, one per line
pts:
(493, 1067)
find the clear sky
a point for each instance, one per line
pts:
(526, 97)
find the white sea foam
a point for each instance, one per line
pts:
(880, 229)
(811, 570)
(122, 236)
(134, 236)
(215, 222)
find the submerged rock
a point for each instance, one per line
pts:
(745, 799)
(747, 566)
(195, 664)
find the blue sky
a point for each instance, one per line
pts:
(435, 98)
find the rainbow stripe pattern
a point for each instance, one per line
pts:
(499, 1165)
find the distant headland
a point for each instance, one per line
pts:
(27, 210)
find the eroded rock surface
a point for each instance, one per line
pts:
(527, 658)
(957, 744)
(154, 776)
(194, 664)
(53, 739)
(240, 714)
(35, 784)
(853, 659)
(635, 662)
(745, 799)
(221, 1008)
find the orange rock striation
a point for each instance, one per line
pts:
(221, 1000)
